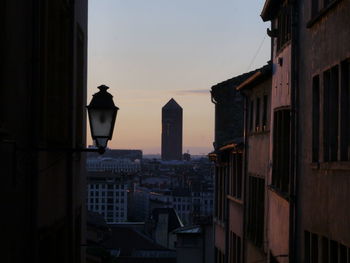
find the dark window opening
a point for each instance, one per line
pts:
(314, 8)
(281, 150)
(219, 256)
(235, 248)
(284, 27)
(331, 114)
(251, 115)
(325, 250)
(221, 187)
(310, 247)
(256, 199)
(273, 259)
(235, 177)
(264, 117)
(333, 255)
(257, 115)
(345, 112)
(315, 118)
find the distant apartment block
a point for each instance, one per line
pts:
(107, 195)
(172, 131)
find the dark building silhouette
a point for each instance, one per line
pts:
(43, 76)
(172, 131)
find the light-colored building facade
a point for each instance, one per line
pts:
(280, 176)
(109, 200)
(107, 194)
(257, 97)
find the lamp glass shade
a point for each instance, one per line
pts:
(102, 114)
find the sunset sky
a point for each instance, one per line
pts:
(149, 51)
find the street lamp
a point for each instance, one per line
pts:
(102, 114)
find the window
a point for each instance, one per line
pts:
(314, 8)
(345, 112)
(330, 114)
(315, 118)
(256, 199)
(221, 186)
(257, 115)
(219, 256)
(235, 176)
(333, 252)
(272, 258)
(251, 115)
(283, 27)
(264, 117)
(323, 250)
(281, 150)
(235, 248)
(310, 247)
(335, 114)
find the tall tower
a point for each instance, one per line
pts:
(172, 131)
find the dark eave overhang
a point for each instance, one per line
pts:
(270, 9)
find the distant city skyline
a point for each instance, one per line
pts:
(150, 51)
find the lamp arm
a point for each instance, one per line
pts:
(100, 150)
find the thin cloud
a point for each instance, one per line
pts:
(193, 92)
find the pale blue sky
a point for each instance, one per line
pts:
(149, 51)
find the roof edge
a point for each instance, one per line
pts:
(261, 75)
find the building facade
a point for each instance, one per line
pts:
(280, 222)
(42, 107)
(257, 97)
(172, 131)
(228, 158)
(296, 147)
(108, 196)
(323, 73)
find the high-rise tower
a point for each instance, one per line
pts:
(171, 131)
